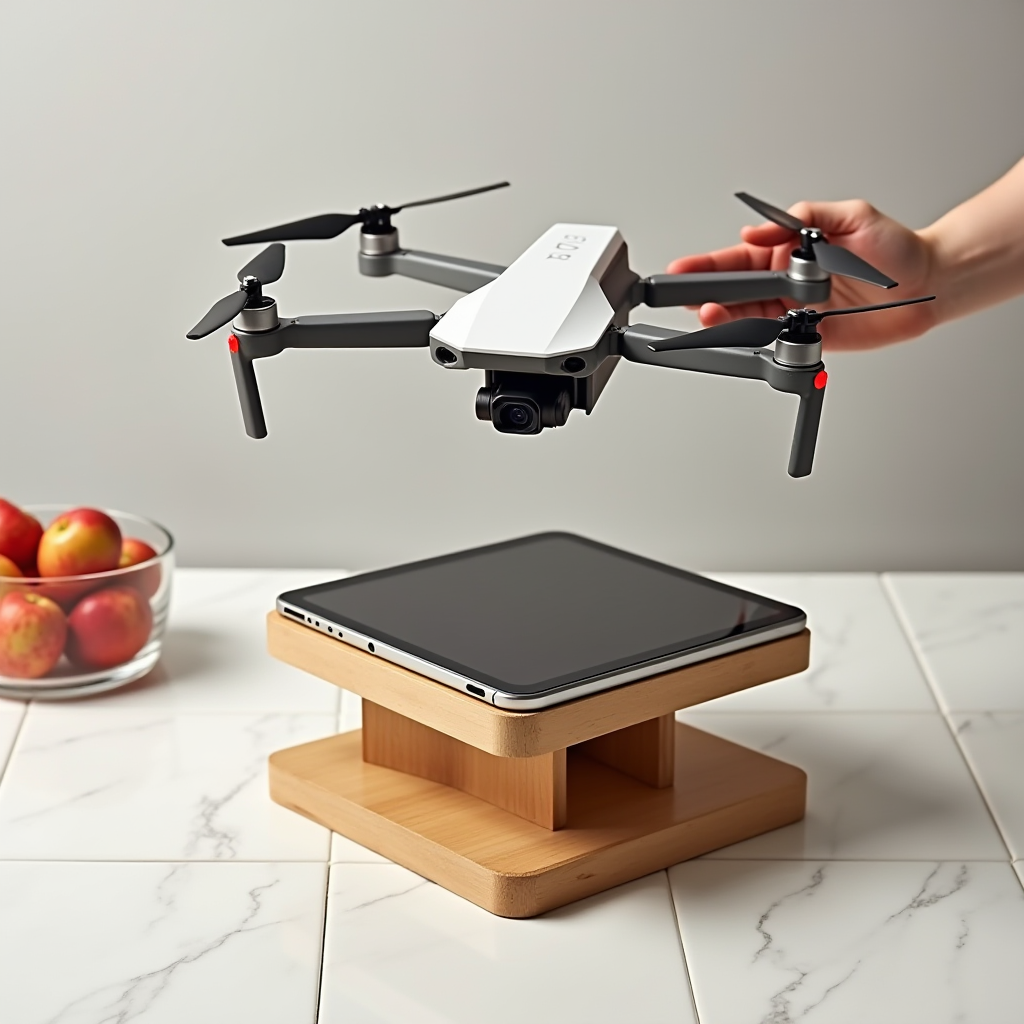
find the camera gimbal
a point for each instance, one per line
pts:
(549, 329)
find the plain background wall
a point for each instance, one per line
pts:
(134, 136)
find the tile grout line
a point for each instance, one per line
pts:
(944, 711)
(682, 948)
(14, 744)
(323, 945)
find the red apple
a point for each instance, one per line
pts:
(32, 634)
(134, 552)
(81, 541)
(19, 535)
(108, 628)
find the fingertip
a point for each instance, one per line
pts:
(765, 235)
(687, 265)
(712, 314)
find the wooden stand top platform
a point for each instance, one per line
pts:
(530, 733)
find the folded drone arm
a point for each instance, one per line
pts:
(398, 329)
(447, 271)
(728, 287)
(807, 382)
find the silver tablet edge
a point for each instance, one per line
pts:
(509, 701)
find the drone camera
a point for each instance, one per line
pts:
(525, 403)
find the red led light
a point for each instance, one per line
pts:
(820, 380)
(233, 346)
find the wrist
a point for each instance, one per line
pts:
(937, 274)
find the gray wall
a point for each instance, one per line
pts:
(136, 135)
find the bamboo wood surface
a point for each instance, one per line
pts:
(617, 828)
(529, 733)
(531, 787)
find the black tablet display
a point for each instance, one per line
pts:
(543, 613)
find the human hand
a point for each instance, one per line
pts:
(905, 255)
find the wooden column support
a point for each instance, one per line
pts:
(645, 752)
(532, 787)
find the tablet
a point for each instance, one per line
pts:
(539, 620)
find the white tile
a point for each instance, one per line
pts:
(880, 786)
(351, 716)
(92, 783)
(401, 950)
(969, 628)
(860, 657)
(345, 851)
(160, 943)
(844, 942)
(10, 721)
(994, 745)
(215, 652)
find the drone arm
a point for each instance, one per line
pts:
(399, 329)
(807, 382)
(634, 342)
(447, 271)
(729, 287)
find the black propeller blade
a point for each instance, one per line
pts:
(330, 225)
(772, 213)
(837, 260)
(866, 309)
(451, 195)
(833, 259)
(267, 267)
(751, 332)
(326, 225)
(757, 332)
(222, 312)
(263, 269)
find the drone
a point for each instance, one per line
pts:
(548, 330)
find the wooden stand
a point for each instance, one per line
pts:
(522, 812)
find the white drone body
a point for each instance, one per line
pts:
(556, 301)
(549, 330)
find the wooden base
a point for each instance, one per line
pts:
(616, 827)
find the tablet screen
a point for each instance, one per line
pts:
(541, 612)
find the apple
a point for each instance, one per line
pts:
(8, 568)
(81, 541)
(32, 634)
(108, 628)
(134, 552)
(19, 535)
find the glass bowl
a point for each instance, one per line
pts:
(114, 633)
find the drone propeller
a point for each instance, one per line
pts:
(757, 332)
(375, 220)
(263, 269)
(833, 259)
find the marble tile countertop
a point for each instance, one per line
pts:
(146, 876)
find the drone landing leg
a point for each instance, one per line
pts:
(397, 329)
(807, 382)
